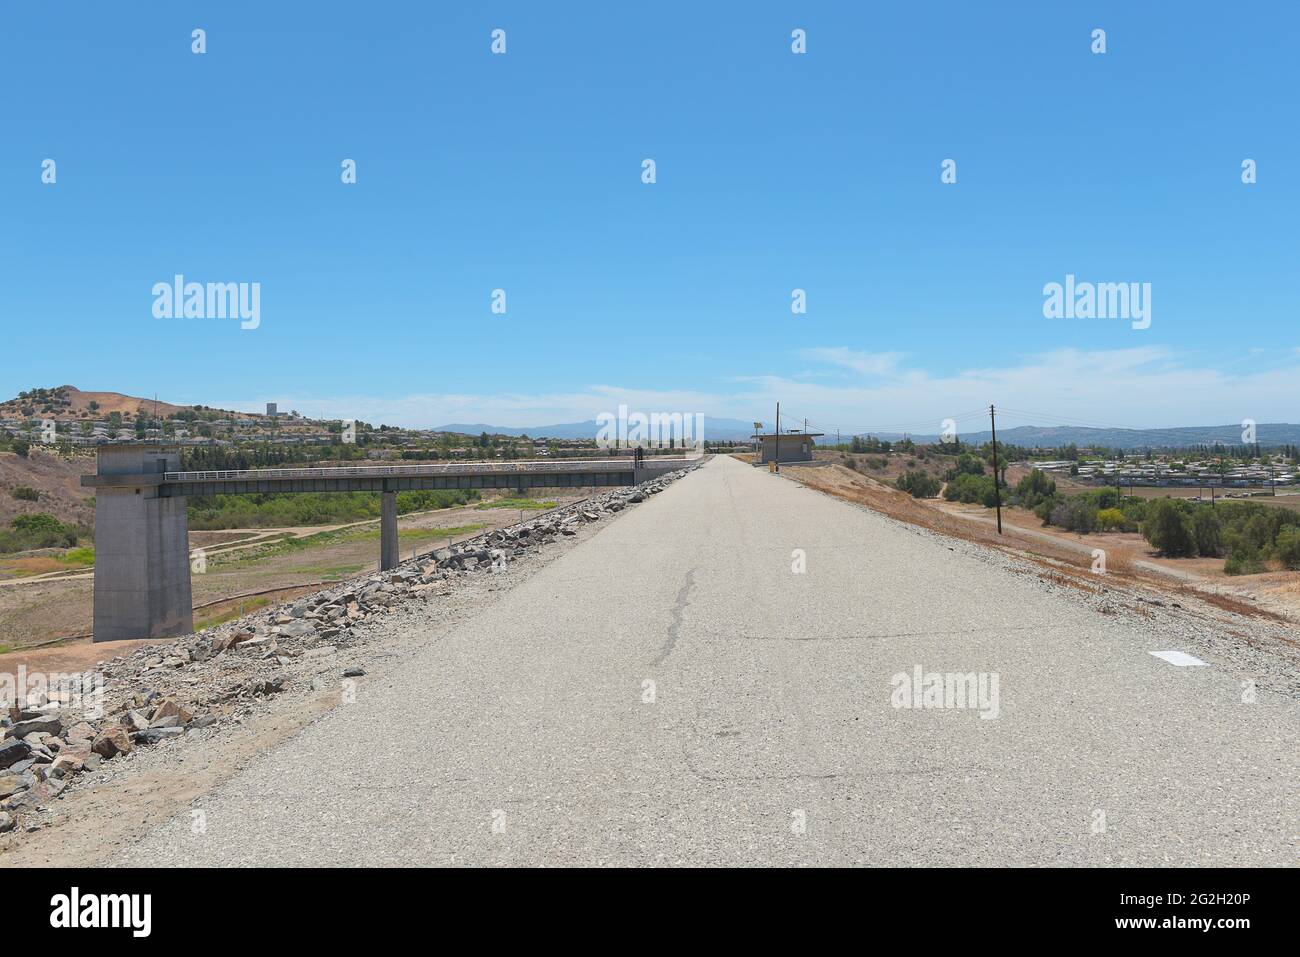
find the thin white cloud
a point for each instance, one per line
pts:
(1147, 387)
(866, 363)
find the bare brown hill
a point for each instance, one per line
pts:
(68, 402)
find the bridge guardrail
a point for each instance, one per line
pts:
(397, 471)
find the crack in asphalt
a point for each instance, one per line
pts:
(675, 629)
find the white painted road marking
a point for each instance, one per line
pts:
(1180, 658)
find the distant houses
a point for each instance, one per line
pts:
(1164, 473)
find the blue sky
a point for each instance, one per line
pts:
(775, 171)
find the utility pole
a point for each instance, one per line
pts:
(778, 437)
(997, 493)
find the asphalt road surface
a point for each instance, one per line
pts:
(532, 735)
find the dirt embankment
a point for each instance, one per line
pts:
(1128, 558)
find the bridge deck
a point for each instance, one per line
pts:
(387, 471)
(560, 473)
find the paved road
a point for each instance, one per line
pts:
(771, 738)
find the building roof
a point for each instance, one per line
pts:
(787, 435)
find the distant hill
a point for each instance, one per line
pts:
(69, 402)
(1268, 433)
(714, 429)
(1026, 435)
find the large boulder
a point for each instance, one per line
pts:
(112, 742)
(69, 762)
(169, 708)
(81, 732)
(13, 750)
(44, 724)
(300, 628)
(42, 792)
(134, 721)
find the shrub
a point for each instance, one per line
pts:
(37, 530)
(36, 523)
(1207, 531)
(1244, 560)
(1134, 509)
(972, 489)
(1034, 488)
(1076, 514)
(1111, 519)
(1287, 548)
(26, 493)
(967, 464)
(918, 484)
(1168, 529)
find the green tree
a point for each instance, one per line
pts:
(1288, 547)
(967, 464)
(1207, 530)
(1168, 529)
(1034, 487)
(972, 489)
(918, 484)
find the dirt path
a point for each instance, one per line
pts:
(1275, 594)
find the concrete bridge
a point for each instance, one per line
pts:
(142, 555)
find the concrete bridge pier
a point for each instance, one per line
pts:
(142, 567)
(388, 549)
(142, 558)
